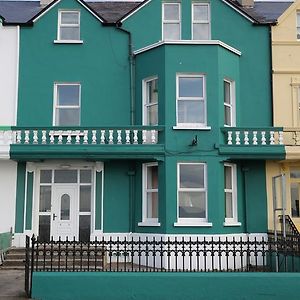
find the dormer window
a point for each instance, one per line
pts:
(200, 21)
(68, 26)
(171, 21)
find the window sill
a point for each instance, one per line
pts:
(232, 224)
(68, 42)
(192, 127)
(148, 224)
(193, 224)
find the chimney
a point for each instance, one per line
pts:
(244, 3)
(44, 3)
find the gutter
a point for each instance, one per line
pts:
(132, 73)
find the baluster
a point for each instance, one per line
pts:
(280, 137)
(1, 137)
(77, 137)
(263, 138)
(111, 137)
(94, 137)
(60, 137)
(246, 137)
(19, 137)
(51, 137)
(127, 133)
(44, 137)
(69, 138)
(254, 140)
(237, 138)
(102, 138)
(35, 136)
(144, 136)
(119, 137)
(10, 137)
(229, 138)
(135, 136)
(272, 138)
(85, 136)
(26, 140)
(153, 136)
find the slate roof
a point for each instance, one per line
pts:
(22, 11)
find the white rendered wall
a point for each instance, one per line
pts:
(8, 179)
(9, 53)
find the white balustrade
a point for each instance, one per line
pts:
(119, 137)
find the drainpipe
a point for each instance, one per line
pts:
(245, 170)
(271, 71)
(131, 73)
(131, 216)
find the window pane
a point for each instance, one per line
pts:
(68, 94)
(228, 205)
(191, 111)
(65, 207)
(85, 199)
(295, 199)
(191, 176)
(69, 33)
(152, 177)
(227, 94)
(45, 199)
(44, 229)
(298, 19)
(295, 173)
(65, 176)
(228, 177)
(200, 12)
(191, 87)
(152, 93)
(46, 176)
(200, 31)
(171, 31)
(85, 176)
(67, 116)
(192, 205)
(227, 115)
(152, 205)
(84, 228)
(152, 115)
(171, 12)
(70, 18)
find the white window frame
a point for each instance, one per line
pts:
(170, 21)
(231, 105)
(297, 25)
(59, 25)
(56, 106)
(233, 191)
(145, 220)
(191, 125)
(201, 21)
(146, 104)
(203, 222)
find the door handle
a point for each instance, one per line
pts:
(54, 216)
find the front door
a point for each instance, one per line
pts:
(64, 208)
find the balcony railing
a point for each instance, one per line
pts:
(237, 136)
(132, 135)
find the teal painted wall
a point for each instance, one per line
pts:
(161, 286)
(100, 64)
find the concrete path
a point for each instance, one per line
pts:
(12, 285)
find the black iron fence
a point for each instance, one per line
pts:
(154, 254)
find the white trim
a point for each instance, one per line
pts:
(201, 99)
(185, 127)
(50, 7)
(238, 11)
(68, 42)
(192, 221)
(55, 98)
(201, 22)
(233, 224)
(132, 13)
(192, 224)
(149, 224)
(163, 21)
(232, 105)
(17, 75)
(189, 42)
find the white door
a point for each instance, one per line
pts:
(64, 208)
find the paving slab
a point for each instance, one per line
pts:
(12, 284)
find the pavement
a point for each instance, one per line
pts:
(12, 285)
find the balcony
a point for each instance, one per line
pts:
(254, 143)
(87, 143)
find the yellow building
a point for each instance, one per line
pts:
(283, 178)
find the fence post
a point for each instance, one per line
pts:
(33, 240)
